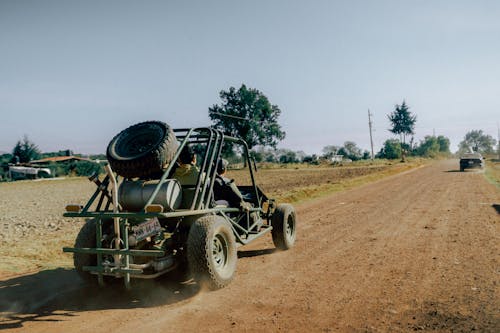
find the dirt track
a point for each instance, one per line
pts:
(416, 251)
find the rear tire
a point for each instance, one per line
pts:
(142, 150)
(87, 239)
(211, 252)
(284, 226)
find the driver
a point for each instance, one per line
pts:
(225, 190)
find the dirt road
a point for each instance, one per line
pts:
(416, 251)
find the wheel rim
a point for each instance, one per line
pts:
(290, 228)
(220, 252)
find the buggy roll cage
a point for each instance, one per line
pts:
(240, 221)
(202, 199)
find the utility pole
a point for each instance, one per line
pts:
(370, 126)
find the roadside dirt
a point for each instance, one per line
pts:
(414, 252)
(33, 230)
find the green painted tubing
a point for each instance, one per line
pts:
(147, 253)
(115, 270)
(164, 215)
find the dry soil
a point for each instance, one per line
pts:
(414, 252)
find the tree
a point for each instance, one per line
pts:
(25, 150)
(248, 114)
(429, 147)
(477, 141)
(311, 159)
(391, 149)
(351, 151)
(444, 144)
(287, 156)
(403, 124)
(263, 154)
(329, 151)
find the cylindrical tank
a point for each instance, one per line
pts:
(133, 195)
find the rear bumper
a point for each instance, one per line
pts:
(469, 164)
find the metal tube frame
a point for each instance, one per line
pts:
(214, 140)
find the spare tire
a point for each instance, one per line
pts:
(142, 150)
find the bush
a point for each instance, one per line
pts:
(87, 168)
(391, 150)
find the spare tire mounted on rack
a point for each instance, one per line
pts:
(142, 150)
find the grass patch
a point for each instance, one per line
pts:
(306, 193)
(492, 172)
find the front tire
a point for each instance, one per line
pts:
(284, 226)
(211, 252)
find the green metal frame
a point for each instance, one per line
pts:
(214, 140)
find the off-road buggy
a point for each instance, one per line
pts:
(142, 223)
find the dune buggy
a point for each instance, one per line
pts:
(142, 223)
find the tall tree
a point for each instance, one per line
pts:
(25, 150)
(403, 124)
(248, 114)
(478, 141)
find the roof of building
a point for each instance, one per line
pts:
(59, 159)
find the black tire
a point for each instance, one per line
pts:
(142, 150)
(211, 252)
(87, 239)
(284, 226)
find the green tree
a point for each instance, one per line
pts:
(288, 156)
(391, 149)
(429, 147)
(477, 141)
(444, 144)
(403, 124)
(25, 150)
(351, 151)
(248, 114)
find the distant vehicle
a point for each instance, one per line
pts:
(471, 160)
(22, 172)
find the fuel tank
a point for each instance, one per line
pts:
(133, 195)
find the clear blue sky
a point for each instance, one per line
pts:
(74, 73)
